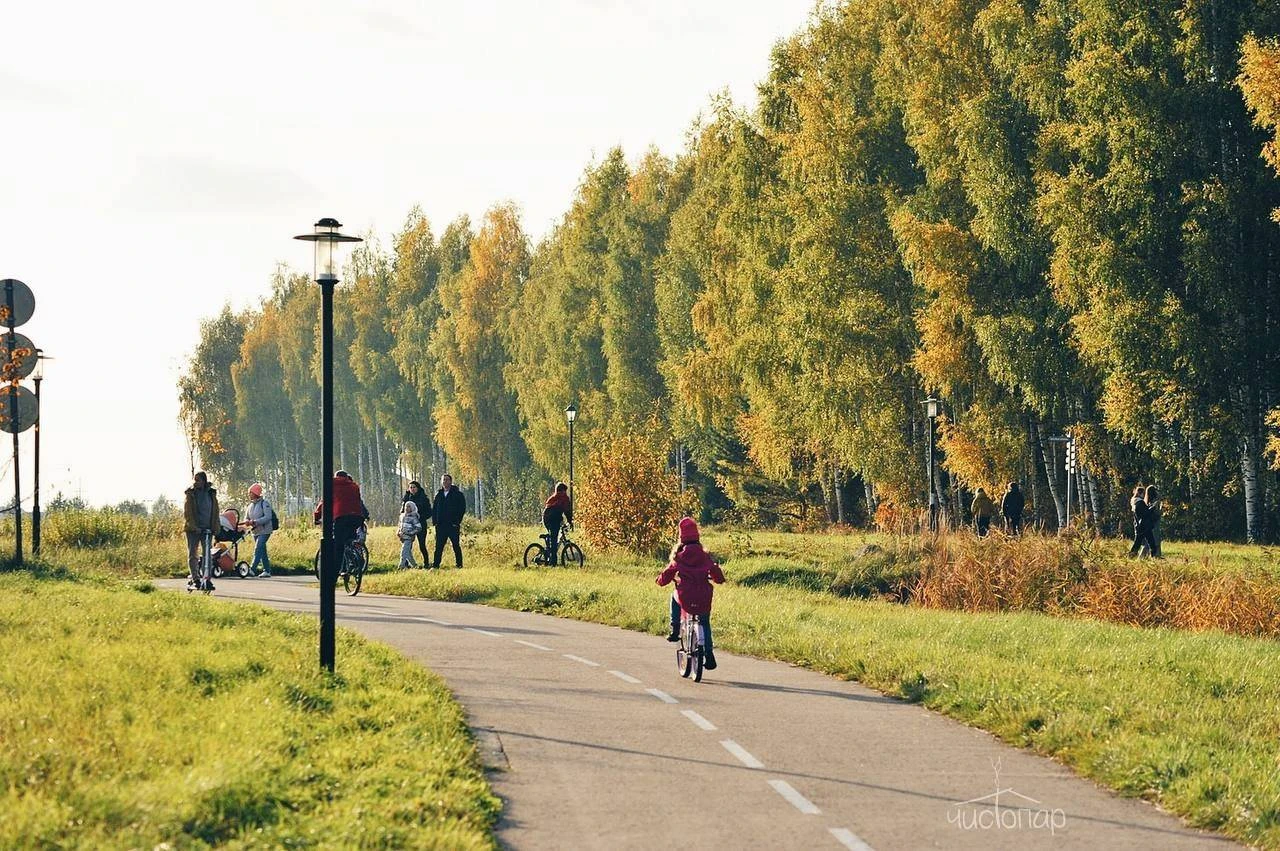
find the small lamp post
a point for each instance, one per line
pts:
(932, 409)
(326, 237)
(571, 414)
(37, 376)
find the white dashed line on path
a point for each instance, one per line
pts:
(626, 678)
(583, 661)
(661, 695)
(849, 839)
(702, 723)
(434, 621)
(483, 631)
(741, 753)
(531, 644)
(800, 802)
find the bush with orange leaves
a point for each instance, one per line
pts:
(1082, 576)
(628, 498)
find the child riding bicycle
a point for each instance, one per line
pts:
(693, 571)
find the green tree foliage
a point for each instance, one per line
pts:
(475, 412)
(1052, 214)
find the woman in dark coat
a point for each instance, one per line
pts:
(418, 497)
(1141, 523)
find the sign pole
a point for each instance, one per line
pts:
(13, 417)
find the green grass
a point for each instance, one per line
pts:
(1188, 720)
(132, 718)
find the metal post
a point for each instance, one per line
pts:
(328, 558)
(1069, 445)
(570, 461)
(13, 418)
(35, 506)
(933, 496)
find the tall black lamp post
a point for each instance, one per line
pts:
(932, 408)
(37, 376)
(571, 414)
(326, 238)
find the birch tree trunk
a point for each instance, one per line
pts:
(1050, 472)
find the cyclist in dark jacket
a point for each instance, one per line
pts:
(556, 512)
(446, 515)
(418, 496)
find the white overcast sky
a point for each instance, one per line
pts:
(156, 158)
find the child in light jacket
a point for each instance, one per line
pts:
(693, 571)
(410, 526)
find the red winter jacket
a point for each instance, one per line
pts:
(346, 500)
(693, 572)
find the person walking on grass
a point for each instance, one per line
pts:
(1141, 522)
(259, 519)
(200, 518)
(418, 496)
(1153, 520)
(1011, 507)
(447, 511)
(983, 509)
(410, 526)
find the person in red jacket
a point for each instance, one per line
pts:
(349, 513)
(557, 512)
(693, 571)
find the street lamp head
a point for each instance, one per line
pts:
(571, 413)
(327, 235)
(932, 407)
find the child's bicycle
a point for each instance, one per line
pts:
(570, 553)
(691, 652)
(203, 580)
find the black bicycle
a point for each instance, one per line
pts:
(355, 560)
(570, 553)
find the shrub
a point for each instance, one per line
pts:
(628, 498)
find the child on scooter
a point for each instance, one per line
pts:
(693, 571)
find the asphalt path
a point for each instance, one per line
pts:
(594, 741)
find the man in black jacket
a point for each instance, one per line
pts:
(418, 497)
(1011, 507)
(446, 515)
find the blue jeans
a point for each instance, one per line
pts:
(704, 619)
(260, 553)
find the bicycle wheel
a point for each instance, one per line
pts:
(684, 655)
(356, 560)
(534, 554)
(571, 554)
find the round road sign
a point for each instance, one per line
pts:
(18, 409)
(23, 302)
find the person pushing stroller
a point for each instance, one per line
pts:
(693, 571)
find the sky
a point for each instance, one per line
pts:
(157, 158)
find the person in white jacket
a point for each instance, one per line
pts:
(258, 521)
(407, 532)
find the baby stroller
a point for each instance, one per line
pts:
(226, 546)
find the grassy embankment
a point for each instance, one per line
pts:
(132, 718)
(1181, 717)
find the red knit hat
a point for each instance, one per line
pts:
(688, 530)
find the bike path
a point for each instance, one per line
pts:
(596, 742)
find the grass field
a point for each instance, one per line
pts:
(137, 719)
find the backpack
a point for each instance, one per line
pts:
(275, 521)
